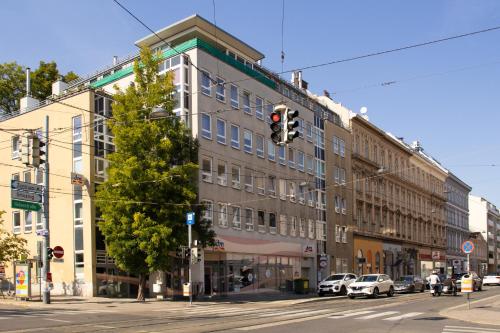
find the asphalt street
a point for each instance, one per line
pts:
(417, 312)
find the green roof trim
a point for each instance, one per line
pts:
(183, 47)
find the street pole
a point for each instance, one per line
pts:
(468, 262)
(46, 237)
(189, 263)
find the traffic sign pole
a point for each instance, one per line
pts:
(190, 222)
(46, 239)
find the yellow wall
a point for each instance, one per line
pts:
(369, 248)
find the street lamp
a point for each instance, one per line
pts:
(158, 113)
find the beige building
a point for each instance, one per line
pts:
(398, 204)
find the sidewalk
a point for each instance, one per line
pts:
(484, 311)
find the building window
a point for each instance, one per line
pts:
(260, 183)
(206, 126)
(336, 145)
(28, 221)
(309, 132)
(336, 174)
(292, 191)
(15, 176)
(248, 180)
(206, 83)
(344, 206)
(208, 210)
(246, 103)
(282, 158)
(236, 212)
(235, 104)
(221, 173)
(311, 228)
(269, 110)
(16, 222)
(220, 93)
(300, 160)
(344, 234)
(272, 222)
(342, 147)
(78, 213)
(291, 158)
(337, 233)
(39, 220)
(293, 226)
(282, 183)
(337, 204)
(261, 219)
(271, 150)
(249, 219)
(309, 164)
(247, 141)
(16, 147)
(259, 104)
(222, 216)
(302, 227)
(259, 145)
(302, 198)
(235, 176)
(342, 176)
(235, 137)
(271, 185)
(206, 169)
(27, 176)
(283, 225)
(221, 131)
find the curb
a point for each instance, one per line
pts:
(457, 313)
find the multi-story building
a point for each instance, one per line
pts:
(457, 223)
(398, 204)
(267, 203)
(485, 219)
(478, 259)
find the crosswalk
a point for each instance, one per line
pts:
(469, 329)
(371, 314)
(13, 314)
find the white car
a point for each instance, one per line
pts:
(336, 284)
(371, 285)
(491, 279)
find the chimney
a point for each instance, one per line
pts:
(28, 81)
(27, 102)
(59, 86)
(115, 60)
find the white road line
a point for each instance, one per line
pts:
(305, 312)
(4, 318)
(104, 326)
(472, 328)
(351, 314)
(376, 315)
(278, 313)
(58, 320)
(463, 330)
(404, 316)
(279, 323)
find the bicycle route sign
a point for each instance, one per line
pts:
(467, 247)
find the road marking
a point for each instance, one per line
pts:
(103, 326)
(376, 315)
(278, 323)
(59, 320)
(465, 329)
(404, 316)
(351, 314)
(277, 313)
(472, 328)
(3, 318)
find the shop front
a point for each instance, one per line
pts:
(431, 260)
(368, 256)
(237, 265)
(392, 260)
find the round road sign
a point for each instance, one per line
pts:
(467, 247)
(58, 252)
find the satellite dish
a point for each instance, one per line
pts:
(363, 110)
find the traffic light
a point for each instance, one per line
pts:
(276, 123)
(289, 132)
(179, 252)
(187, 252)
(25, 148)
(37, 151)
(50, 253)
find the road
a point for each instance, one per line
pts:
(402, 313)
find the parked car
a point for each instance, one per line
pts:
(491, 279)
(409, 284)
(477, 282)
(336, 284)
(371, 285)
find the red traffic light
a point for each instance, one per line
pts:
(275, 117)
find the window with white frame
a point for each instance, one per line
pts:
(337, 233)
(261, 219)
(236, 217)
(259, 145)
(247, 141)
(293, 226)
(235, 136)
(292, 191)
(344, 234)
(260, 183)
(235, 177)
(28, 221)
(206, 169)
(221, 173)
(302, 197)
(16, 222)
(220, 93)
(309, 164)
(291, 158)
(271, 150)
(206, 83)
(272, 222)
(282, 184)
(16, 147)
(78, 211)
(336, 147)
(310, 198)
(281, 153)
(208, 210)
(235, 104)
(320, 230)
(15, 176)
(221, 131)
(311, 227)
(248, 180)
(283, 225)
(39, 220)
(259, 108)
(342, 176)
(249, 226)
(271, 185)
(309, 132)
(337, 204)
(222, 214)
(300, 160)
(302, 227)
(206, 126)
(336, 174)
(27, 176)
(342, 147)
(343, 206)
(245, 99)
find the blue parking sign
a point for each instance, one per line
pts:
(467, 247)
(190, 218)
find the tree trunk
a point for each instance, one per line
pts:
(142, 287)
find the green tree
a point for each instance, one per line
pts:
(12, 247)
(13, 83)
(151, 178)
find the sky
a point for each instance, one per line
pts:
(445, 95)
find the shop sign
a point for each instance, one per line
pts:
(77, 179)
(308, 251)
(219, 245)
(436, 255)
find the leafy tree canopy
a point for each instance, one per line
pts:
(12, 247)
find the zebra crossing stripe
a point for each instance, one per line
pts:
(351, 314)
(376, 315)
(404, 316)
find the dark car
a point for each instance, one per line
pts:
(477, 282)
(449, 286)
(409, 284)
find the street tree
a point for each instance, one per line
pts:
(13, 83)
(151, 177)
(12, 246)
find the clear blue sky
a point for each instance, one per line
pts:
(455, 115)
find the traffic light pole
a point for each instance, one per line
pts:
(189, 263)
(46, 237)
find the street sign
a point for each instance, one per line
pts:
(190, 218)
(26, 205)
(27, 187)
(467, 247)
(58, 252)
(43, 232)
(77, 179)
(25, 196)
